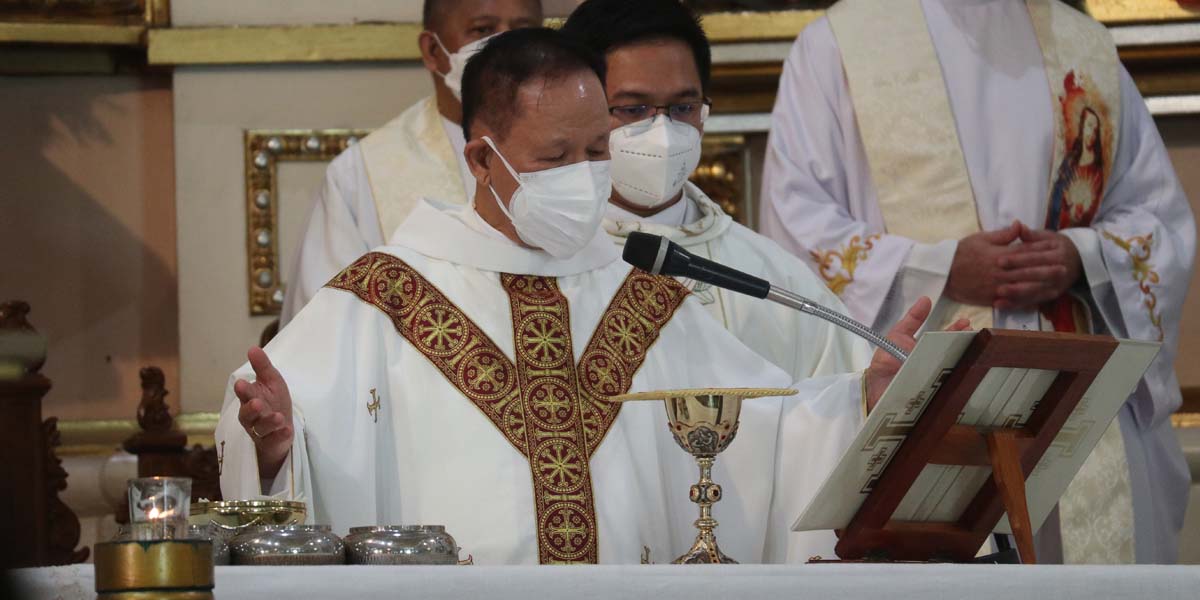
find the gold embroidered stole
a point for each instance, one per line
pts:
(407, 159)
(908, 130)
(550, 409)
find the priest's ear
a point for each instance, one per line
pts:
(478, 153)
(432, 55)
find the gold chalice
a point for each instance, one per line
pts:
(704, 422)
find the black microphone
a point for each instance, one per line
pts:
(657, 255)
(660, 256)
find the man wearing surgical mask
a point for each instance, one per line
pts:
(460, 374)
(657, 75)
(371, 187)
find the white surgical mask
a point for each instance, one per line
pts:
(458, 62)
(557, 210)
(652, 159)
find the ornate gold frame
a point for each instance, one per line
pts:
(264, 148)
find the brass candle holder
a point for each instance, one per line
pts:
(704, 423)
(178, 569)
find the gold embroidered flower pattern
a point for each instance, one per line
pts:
(837, 266)
(1139, 248)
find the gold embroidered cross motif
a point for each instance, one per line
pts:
(837, 267)
(373, 406)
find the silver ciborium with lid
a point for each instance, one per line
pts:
(704, 423)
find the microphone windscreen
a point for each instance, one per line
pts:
(641, 250)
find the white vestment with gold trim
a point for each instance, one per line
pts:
(427, 454)
(821, 202)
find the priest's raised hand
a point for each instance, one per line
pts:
(884, 366)
(266, 412)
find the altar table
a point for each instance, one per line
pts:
(669, 582)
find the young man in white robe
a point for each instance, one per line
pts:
(1033, 192)
(458, 376)
(371, 187)
(657, 67)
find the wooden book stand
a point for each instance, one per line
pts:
(1011, 452)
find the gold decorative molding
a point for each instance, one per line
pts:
(72, 33)
(726, 27)
(264, 148)
(105, 436)
(1123, 12)
(284, 44)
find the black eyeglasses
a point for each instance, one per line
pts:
(692, 113)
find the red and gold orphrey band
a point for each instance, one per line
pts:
(548, 408)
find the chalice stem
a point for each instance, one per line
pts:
(705, 493)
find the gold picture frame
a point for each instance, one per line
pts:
(263, 150)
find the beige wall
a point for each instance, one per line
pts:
(1182, 137)
(213, 108)
(87, 232)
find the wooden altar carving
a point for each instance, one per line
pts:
(40, 528)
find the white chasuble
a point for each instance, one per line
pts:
(1052, 132)
(463, 384)
(368, 192)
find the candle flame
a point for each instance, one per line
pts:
(153, 514)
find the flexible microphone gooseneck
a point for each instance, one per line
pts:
(660, 256)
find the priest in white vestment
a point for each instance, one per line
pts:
(1025, 115)
(371, 187)
(457, 376)
(657, 71)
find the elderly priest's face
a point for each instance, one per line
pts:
(538, 142)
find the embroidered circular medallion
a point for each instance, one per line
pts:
(553, 403)
(397, 288)
(625, 334)
(439, 330)
(601, 374)
(566, 532)
(483, 374)
(559, 465)
(651, 297)
(543, 341)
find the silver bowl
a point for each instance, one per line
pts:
(209, 532)
(287, 545)
(401, 545)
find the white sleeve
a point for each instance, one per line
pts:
(342, 226)
(1138, 253)
(816, 208)
(816, 427)
(323, 353)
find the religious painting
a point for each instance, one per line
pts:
(1079, 180)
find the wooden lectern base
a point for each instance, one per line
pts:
(1011, 452)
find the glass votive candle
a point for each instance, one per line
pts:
(158, 507)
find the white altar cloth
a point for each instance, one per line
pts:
(668, 582)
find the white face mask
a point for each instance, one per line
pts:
(652, 159)
(557, 210)
(458, 62)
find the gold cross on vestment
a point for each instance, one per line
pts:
(373, 406)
